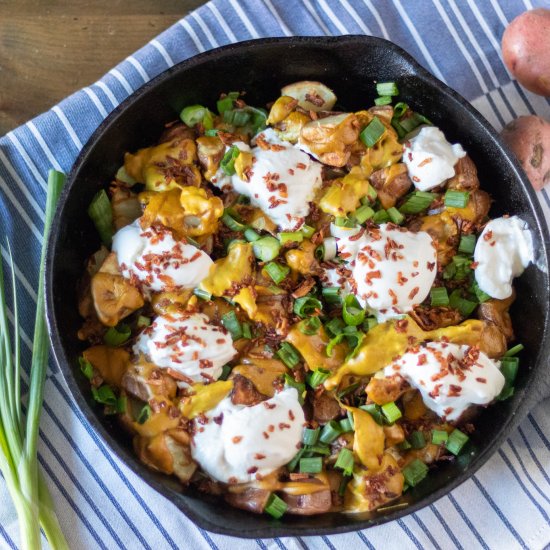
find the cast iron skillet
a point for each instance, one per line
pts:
(348, 65)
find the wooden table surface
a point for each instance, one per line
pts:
(50, 48)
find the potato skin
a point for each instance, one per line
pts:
(529, 139)
(526, 47)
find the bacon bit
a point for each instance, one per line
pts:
(488, 236)
(315, 99)
(422, 359)
(410, 154)
(202, 419)
(411, 340)
(401, 325)
(179, 376)
(415, 263)
(435, 392)
(296, 476)
(401, 280)
(271, 428)
(262, 143)
(425, 161)
(416, 179)
(301, 166)
(474, 265)
(269, 406)
(266, 435)
(237, 439)
(259, 456)
(448, 410)
(252, 470)
(205, 364)
(481, 380)
(430, 266)
(393, 296)
(284, 425)
(413, 292)
(232, 480)
(220, 341)
(454, 390)
(493, 243)
(218, 419)
(373, 275)
(291, 415)
(291, 171)
(274, 202)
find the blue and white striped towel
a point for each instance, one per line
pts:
(102, 504)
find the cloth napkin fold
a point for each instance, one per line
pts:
(100, 502)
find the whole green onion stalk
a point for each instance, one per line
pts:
(19, 432)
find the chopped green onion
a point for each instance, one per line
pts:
(201, 293)
(312, 465)
(294, 236)
(439, 437)
(465, 307)
(391, 412)
(317, 377)
(412, 121)
(514, 351)
(250, 235)
(307, 230)
(458, 269)
(346, 425)
(456, 199)
(354, 338)
(417, 440)
(275, 506)
(479, 294)
(143, 321)
(352, 312)
(247, 331)
(330, 432)
(227, 102)
(86, 367)
(387, 88)
(363, 213)
(232, 324)
(294, 462)
(212, 132)
(400, 109)
(416, 202)
(375, 411)
(226, 371)
(310, 436)
(340, 221)
(467, 244)
(509, 369)
(310, 326)
(266, 248)
(307, 305)
(439, 296)
(383, 100)
(144, 414)
(320, 449)
(381, 217)
(334, 326)
(404, 445)
(345, 461)
(372, 132)
(300, 387)
(232, 223)
(343, 485)
(370, 323)
(276, 271)
(331, 295)
(228, 161)
(329, 249)
(395, 216)
(101, 213)
(116, 336)
(333, 342)
(415, 472)
(240, 117)
(288, 355)
(104, 395)
(195, 114)
(121, 404)
(350, 414)
(456, 441)
(371, 195)
(351, 388)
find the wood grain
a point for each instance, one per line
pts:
(50, 48)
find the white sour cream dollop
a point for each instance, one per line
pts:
(503, 250)
(157, 261)
(238, 444)
(430, 158)
(187, 344)
(389, 269)
(450, 377)
(282, 180)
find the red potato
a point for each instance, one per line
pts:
(529, 139)
(526, 50)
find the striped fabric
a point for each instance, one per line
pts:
(102, 504)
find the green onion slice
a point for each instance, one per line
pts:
(86, 367)
(294, 236)
(276, 271)
(228, 161)
(317, 377)
(375, 411)
(383, 100)
(232, 324)
(415, 472)
(310, 326)
(346, 425)
(307, 305)
(300, 387)
(456, 199)
(116, 336)
(250, 235)
(514, 351)
(372, 133)
(381, 217)
(439, 296)
(334, 326)
(352, 312)
(307, 230)
(439, 437)
(266, 248)
(231, 222)
(288, 354)
(275, 506)
(345, 461)
(416, 202)
(391, 411)
(417, 440)
(464, 306)
(467, 244)
(104, 395)
(387, 88)
(101, 213)
(310, 436)
(227, 102)
(202, 294)
(330, 432)
(313, 465)
(197, 114)
(456, 441)
(363, 213)
(395, 216)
